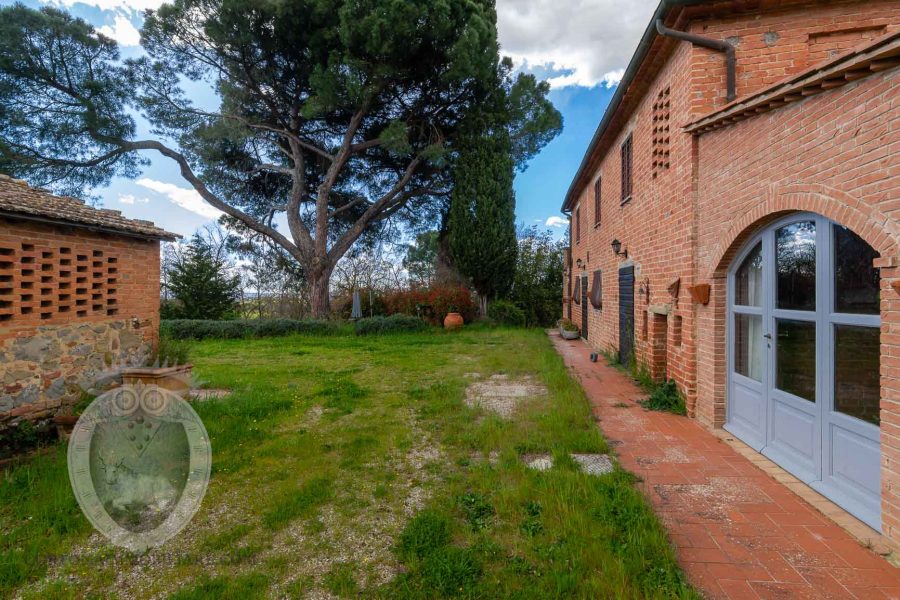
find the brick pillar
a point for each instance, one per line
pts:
(656, 346)
(890, 398)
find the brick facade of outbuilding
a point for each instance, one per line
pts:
(79, 295)
(814, 128)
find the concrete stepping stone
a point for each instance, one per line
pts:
(592, 464)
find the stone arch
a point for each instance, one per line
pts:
(877, 229)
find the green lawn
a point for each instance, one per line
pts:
(351, 467)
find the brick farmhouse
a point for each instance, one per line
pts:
(735, 227)
(79, 294)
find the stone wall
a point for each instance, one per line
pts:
(73, 303)
(48, 371)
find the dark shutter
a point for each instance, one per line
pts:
(597, 189)
(597, 290)
(626, 169)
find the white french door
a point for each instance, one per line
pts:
(803, 363)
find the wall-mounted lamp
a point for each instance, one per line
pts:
(617, 248)
(579, 263)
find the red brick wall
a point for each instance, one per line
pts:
(832, 153)
(783, 39)
(82, 300)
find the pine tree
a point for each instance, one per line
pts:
(481, 222)
(200, 283)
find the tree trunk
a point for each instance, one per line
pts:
(484, 304)
(319, 299)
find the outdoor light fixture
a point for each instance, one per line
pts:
(617, 248)
(579, 263)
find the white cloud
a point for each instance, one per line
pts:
(186, 198)
(557, 222)
(123, 31)
(127, 5)
(130, 199)
(578, 42)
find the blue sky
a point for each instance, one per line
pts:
(581, 46)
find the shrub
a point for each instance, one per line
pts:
(199, 329)
(506, 313)
(432, 303)
(392, 324)
(666, 397)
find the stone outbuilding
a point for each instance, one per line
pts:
(79, 296)
(735, 228)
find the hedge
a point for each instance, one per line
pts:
(199, 329)
(505, 312)
(392, 324)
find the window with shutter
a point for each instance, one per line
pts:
(627, 171)
(597, 290)
(597, 188)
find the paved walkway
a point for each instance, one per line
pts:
(738, 533)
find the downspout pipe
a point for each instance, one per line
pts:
(712, 44)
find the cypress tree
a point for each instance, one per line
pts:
(482, 222)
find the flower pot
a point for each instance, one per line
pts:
(175, 379)
(453, 321)
(568, 335)
(64, 425)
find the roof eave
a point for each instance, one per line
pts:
(164, 236)
(637, 60)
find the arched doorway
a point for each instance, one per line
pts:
(803, 357)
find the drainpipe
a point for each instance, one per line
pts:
(717, 45)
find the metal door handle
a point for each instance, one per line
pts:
(768, 336)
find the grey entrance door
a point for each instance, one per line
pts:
(584, 306)
(626, 314)
(804, 359)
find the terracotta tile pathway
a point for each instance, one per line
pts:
(738, 533)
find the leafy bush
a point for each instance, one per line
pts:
(199, 329)
(432, 303)
(506, 313)
(666, 397)
(392, 324)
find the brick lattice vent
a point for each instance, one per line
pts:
(661, 132)
(38, 283)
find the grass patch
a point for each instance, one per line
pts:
(319, 455)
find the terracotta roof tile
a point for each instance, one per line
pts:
(17, 198)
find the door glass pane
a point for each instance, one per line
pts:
(748, 279)
(856, 281)
(795, 358)
(795, 255)
(748, 346)
(856, 372)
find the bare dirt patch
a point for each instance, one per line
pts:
(502, 395)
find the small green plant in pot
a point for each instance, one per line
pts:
(568, 330)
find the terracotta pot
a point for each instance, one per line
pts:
(453, 321)
(64, 425)
(175, 379)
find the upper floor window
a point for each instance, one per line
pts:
(661, 132)
(627, 170)
(597, 187)
(578, 225)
